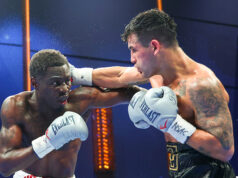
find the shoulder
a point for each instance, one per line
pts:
(9, 105)
(201, 87)
(12, 107)
(206, 82)
(207, 94)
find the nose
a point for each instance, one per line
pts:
(133, 59)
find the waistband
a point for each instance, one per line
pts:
(182, 156)
(178, 147)
(23, 174)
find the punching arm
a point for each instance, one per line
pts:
(107, 77)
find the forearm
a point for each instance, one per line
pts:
(209, 145)
(107, 77)
(117, 77)
(112, 97)
(15, 160)
(130, 91)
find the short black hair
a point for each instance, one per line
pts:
(45, 58)
(152, 24)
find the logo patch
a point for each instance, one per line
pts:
(148, 112)
(65, 121)
(165, 125)
(172, 157)
(179, 129)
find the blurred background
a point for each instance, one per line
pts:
(88, 33)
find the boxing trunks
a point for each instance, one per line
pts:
(185, 162)
(22, 174)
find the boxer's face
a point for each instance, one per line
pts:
(142, 57)
(54, 86)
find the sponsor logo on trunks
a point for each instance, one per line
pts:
(179, 129)
(172, 157)
(148, 112)
(64, 122)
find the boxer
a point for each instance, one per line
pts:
(191, 109)
(42, 130)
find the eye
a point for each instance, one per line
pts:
(133, 50)
(55, 83)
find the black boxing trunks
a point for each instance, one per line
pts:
(186, 162)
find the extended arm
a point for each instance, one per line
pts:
(96, 97)
(116, 77)
(107, 77)
(112, 97)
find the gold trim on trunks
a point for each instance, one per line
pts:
(172, 157)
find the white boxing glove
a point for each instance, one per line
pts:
(135, 116)
(81, 76)
(63, 129)
(159, 109)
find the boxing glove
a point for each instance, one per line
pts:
(63, 129)
(81, 76)
(159, 109)
(134, 115)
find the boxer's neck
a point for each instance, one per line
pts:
(175, 65)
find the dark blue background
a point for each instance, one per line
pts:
(88, 33)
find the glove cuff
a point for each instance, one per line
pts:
(42, 146)
(82, 76)
(181, 130)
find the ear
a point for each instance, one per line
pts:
(34, 82)
(155, 44)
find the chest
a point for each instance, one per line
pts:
(33, 126)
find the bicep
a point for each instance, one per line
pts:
(108, 77)
(92, 97)
(117, 77)
(107, 99)
(10, 138)
(112, 97)
(131, 76)
(10, 135)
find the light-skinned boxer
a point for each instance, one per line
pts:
(191, 109)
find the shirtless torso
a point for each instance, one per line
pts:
(203, 101)
(22, 123)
